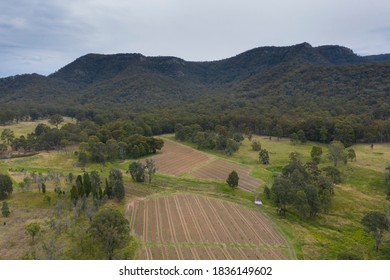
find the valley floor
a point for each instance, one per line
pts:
(188, 212)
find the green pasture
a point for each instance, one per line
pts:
(326, 237)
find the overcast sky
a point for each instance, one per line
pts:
(41, 36)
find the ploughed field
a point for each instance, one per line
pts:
(176, 159)
(187, 226)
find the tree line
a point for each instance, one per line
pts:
(119, 140)
(133, 147)
(220, 139)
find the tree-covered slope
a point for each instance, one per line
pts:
(259, 88)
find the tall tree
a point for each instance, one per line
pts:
(74, 195)
(283, 194)
(95, 183)
(344, 132)
(301, 204)
(137, 171)
(333, 174)
(115, 180)
(233, 179)
(56, 120)
(256, 146)
(87, 184)
(5, 209)
(33, 229)
(6, 188)
(316, 153)
(376, 223)
(264, 156)
(80, 186)
(351, 154)
(232, 146)
(337, 153)
(108, 190)
(110, 228)
(7, 136)
(313, 200)
(150, 168)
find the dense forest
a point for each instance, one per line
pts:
(328, 92)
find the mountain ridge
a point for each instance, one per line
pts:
(87, 68)
(134, 83)
(261, 56)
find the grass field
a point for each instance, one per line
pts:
(325, 237)
(23, 128)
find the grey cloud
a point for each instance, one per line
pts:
(59, 31)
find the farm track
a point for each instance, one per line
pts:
(194, 227)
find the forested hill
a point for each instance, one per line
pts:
(259, 88)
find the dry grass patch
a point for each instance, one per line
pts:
(377, 158)
(14, 242)
(23, 128)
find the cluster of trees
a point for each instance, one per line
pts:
(134, 146)
(104, 235)
(39, 180)
(220, 139)
(43, 138)
(263, 153)
(91, 184)
(302, 186)
(105, 231)
(211, 130)
(376, 223)
(99, 143)
(138, 170)
(93, 232)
